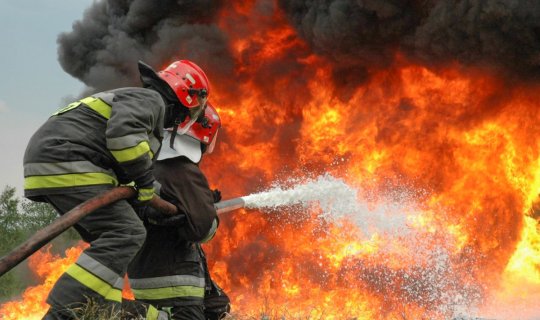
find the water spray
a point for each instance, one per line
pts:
(333, 196)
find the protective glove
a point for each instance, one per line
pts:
(141, 211)
(171, 221)
(152, 216)
(217, 195)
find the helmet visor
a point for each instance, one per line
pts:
(212, 145)
(185, 127)
(194, 115)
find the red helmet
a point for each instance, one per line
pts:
(204, 129)
(188, 81)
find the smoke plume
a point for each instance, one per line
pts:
(103, 48)
(500, 35)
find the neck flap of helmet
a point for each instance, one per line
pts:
(150, 79)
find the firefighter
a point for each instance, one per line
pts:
(92, 145)
(170, 270)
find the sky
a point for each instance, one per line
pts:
(32, 82)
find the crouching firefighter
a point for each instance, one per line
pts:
(170, 272)
(89, 147)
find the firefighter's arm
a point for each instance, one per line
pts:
(152, 216)
(135, 114)
(199, 228)
(183, 184)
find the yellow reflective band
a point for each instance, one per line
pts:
(129, 184)
(96, 284)
(70, 106)
(169, 292)
(132, 153)
(68, 180)
(98, 106)
(145, 194)
(152, 313)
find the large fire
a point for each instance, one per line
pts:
(455, 149)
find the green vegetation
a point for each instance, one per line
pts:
(19, 219)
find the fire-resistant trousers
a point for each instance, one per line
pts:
(115, 234)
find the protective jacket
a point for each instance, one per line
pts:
(85, 149)
(168, 271)
(104, 139)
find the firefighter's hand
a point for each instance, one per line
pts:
(217, 195)
(143, 212)
(171, 221)
(152, 216)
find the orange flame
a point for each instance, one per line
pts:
(47, 267)
(463, 143)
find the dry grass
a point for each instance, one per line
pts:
(93, 311)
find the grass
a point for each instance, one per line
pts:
(95, 311)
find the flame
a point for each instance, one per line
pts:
(460, 144)
(48, 268)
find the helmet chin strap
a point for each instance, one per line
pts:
(202, 96)
(173, 135)
(187, 126)
(181, 131)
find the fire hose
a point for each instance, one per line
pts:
(70, 218)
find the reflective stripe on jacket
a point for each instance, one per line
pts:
(97, 277)
(167, 272)
(167, 287)
(104, 139)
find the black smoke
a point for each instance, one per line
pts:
(503, 36)
(103, 48)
